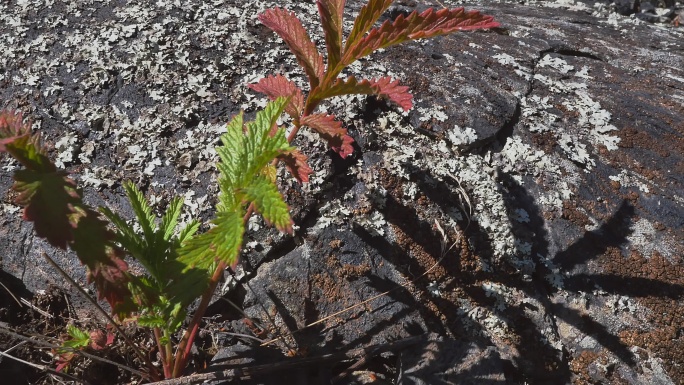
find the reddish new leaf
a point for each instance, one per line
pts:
(331, 130)
(429, 23)
(277, 86)
(370, 13)
(295, 162)
(290, 29)
(16, 139)
(53, 203)
(11, 128)
(331, 12)
(383, 87)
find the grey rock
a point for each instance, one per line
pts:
(447, 361)
(549, 150)
(627, 7)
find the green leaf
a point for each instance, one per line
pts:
(78, 335)
(126, 235)
(221, 242)
(269, 202)
(246, 156)
(79, 339)
(142, 210)
(152, 321)
(187, 232)
(170, 219)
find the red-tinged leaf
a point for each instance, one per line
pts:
(384, 87)
(48, 200)
(11, 128)
(53, 203)
(290, 29)
(331, 131)
(331, 12)
(98, 340)
(63, 361)
(277, 86)
(295, 162)
(369, 14)
(16, 139)
(429, 23)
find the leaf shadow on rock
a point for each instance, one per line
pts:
(534, 358)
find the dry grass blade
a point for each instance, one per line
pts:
(445, 250)
(249, 372)
(45, 369)
(43, 342)
(116, 326)
(10, 293)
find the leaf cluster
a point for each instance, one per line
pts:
(363, 39)
(247, 179)
(180, 264)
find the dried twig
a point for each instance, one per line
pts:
(445, 250)
(45, 369)
(116, 326)
(248, 372)
(43, 343)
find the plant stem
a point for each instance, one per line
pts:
(163, 353)
(153, 373)
(185, 344)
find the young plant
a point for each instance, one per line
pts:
(362, 41)
(80, 340)
(179, 264)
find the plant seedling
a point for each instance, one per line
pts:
(364, 39)
(181, 265)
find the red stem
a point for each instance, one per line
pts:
(162, 353)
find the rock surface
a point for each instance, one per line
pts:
(550, 150)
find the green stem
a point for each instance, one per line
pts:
(185, 344)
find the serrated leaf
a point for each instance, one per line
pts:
(53, 203)
(221, 242)
(369, 14)
(79, 338)
(269, 203)
(48, 200)
(296, 164)
(429, 23)
(331, 131)
(170, 219)
(151, 321)
(126, 235)
(279, 86)
(290, 29)
(384, 86)
(16, 139)
(331, 12)
(187, 232)
(270, 173)
(142, 210)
